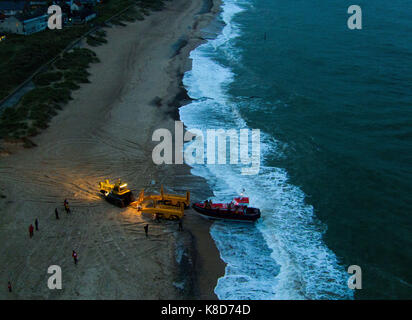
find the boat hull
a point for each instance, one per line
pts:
(221, 214)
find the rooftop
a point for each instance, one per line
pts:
(12, 5)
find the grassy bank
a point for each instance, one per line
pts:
(21, 56)
(53, 90)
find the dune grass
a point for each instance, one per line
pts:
(39, 105)
(21, 56)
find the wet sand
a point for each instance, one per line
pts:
(105, 132)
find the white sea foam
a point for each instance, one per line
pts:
(282, 256)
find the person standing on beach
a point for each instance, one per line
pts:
(31, 228)
(56, 213)
(146, 229)
(36, 223)
(74, 255)
(66, 206)
(9, 286)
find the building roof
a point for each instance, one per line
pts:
(28, 17)
(12, 5)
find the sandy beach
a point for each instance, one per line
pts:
(105, 132)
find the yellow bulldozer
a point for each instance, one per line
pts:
(117, 193)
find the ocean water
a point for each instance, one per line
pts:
(334, 109)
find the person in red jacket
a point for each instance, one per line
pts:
(31, 228)
(74, 255)
(9, 286)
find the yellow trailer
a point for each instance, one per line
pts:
(163, 211)
(167, 199)
(167, 206)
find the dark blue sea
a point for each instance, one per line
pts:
(334, 108)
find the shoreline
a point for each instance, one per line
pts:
(208, 266)
(94, 137)
(203, 263)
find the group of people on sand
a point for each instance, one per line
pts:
(36, 227)
(66, 208)
(74, 253)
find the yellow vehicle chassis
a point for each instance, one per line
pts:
(167, 206)
(165, 212)
(166, 199)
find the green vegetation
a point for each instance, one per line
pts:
(44, 79)
(39, 105)
(107, 9)
(77, 75)
(97, 39)
(117, 22)
(21, 56)
(132, 15)
(76, 59)
(152, 5)
(71, 85)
